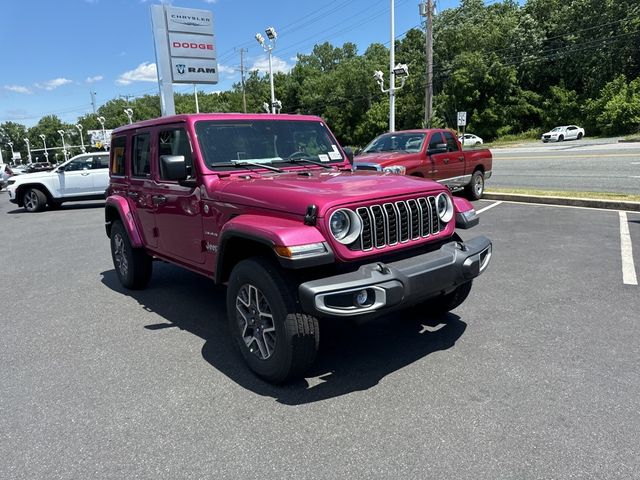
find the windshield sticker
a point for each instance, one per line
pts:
(335, 155)
(323, 158)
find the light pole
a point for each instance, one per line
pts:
(44, 141)
(11, 147)
(400, 70)
(79, 127)
(64, 148)
(129, 113)
(268, 47)
(26, 140)
(104, 134)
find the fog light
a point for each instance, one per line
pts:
(363, 298)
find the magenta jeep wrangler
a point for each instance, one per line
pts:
(269, 205)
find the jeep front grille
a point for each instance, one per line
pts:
(397, 222)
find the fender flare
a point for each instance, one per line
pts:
(271, 232)
(121, 206)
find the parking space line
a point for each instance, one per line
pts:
(626, 251)
(490, 206)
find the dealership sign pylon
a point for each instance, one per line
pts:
(185, 50)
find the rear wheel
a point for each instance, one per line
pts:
(34, 200)
(475, 189)
(133, 265)
(277, 340)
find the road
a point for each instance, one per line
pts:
(594, 165)
(534, 377)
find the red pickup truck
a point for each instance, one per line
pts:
(435, 154)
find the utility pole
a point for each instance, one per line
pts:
(426, 10)
(126, 97)
(93, 100)
(244, 96)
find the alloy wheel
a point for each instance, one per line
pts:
(256, 323)
(120, 255)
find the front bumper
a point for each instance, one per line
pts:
(379, 288)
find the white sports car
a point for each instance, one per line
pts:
(558, 134)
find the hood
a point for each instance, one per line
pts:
(292, 192)
(27, 177)
(383, 158)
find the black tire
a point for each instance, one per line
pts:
(446, 303)
(475, 189)
(477, 144)
(133, 265)
(580, 136)
(279, 348)
(561, 138)
(34, 200)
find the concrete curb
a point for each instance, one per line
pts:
(570, 201)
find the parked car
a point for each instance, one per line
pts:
(84, 177)
(435, 154)
(5, 173)
(470, 139)
(269, 206)
(558, 134)
(39, 167)
(18, 169)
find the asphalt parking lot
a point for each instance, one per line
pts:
(535, 376)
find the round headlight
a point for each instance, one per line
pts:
(345, 225)
(444, 206)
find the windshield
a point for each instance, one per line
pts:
(396, 142)
(229, 142)
(558, 129)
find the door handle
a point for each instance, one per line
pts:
(84, 174)
(446, 160)
(461, 159)
(133, 194)
(158, 199)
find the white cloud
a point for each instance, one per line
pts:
(18, 89)
(95, 79)
(210, 1)
(279, 65)
(53, 84)
(145, 72)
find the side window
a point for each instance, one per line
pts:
(100, 161)
(174, 142)
(452, 145)
(140, 166)
(78, 164)
(436, 138)
(118, 145)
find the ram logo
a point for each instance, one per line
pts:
(180, 67)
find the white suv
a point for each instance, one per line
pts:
(84, 177)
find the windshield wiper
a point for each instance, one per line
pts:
(239, 163)
(306, 160)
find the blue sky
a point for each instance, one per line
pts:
(54, 52)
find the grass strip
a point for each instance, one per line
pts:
(568, 194)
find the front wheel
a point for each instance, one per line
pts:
(475, 189)
(34, 200)
(580, 136)
(446, 303)
(133, 265)
(561, 138)
(277, 340)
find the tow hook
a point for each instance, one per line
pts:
(382, 268)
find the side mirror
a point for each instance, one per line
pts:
(439, 148)
(174, 167)
(349, 153)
